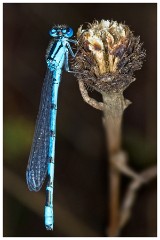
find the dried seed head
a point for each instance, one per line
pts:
(108, 56)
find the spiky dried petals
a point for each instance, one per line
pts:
(108, 56)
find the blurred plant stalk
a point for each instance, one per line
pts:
(108, 55)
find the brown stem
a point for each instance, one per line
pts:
(114, 105)
(130, 196)
(92, 102)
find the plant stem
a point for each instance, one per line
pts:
(114, 105)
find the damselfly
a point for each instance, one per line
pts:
(41, 159)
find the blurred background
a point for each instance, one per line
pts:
(81, 170)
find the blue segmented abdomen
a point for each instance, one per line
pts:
(49, 217)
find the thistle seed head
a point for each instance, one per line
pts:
(108, 55)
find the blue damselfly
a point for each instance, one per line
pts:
(41, 159)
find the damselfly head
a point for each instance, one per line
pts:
(61, 31)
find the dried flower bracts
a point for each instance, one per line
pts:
(108, 56)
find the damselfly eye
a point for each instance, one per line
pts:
(53, 32)
(64, 30)
(69, 32)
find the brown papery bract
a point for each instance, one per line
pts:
(108, 56)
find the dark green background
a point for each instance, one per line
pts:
(81, 173)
